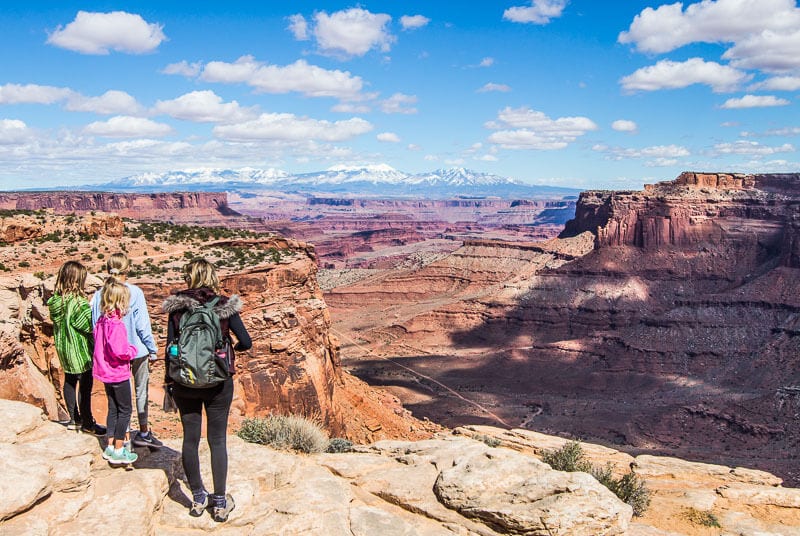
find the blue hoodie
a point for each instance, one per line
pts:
(137, 321)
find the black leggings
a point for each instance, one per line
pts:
(79, 403)
(217, 401)
(119, 409)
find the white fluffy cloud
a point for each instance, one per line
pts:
(32, 94)
(127, 127)
(298, 25)
(183, 68)
(353, 31)
(13, 132)
(289, 127)
(762, 34)
(624, 125)
(779, 83)
(539, 12)
(722, 21)
(768, 50)
(98, 33)
(410, 22)
(667, 74)
(299, 76)
(486, 62)
(203, 107)
(523, 128)
(110, 102)
(755, 101)
(654, 151)
(388, 137)
(399, 104)
(654, 156)
(491, 86)
(752, 148)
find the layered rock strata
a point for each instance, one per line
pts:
(674, 331)
(293, 367)
(178, 206)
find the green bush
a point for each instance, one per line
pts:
(339, 444)
(630, 488)
(568, 458)
(287, 432)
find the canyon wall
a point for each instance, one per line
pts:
(676, 330)
(179, 206)
(292, 368)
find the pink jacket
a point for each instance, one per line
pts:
(112, 351)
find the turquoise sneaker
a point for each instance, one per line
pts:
(123, 457)
(108, 453)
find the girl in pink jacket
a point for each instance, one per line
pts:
(112, 366)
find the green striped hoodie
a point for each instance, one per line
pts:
(72, 331)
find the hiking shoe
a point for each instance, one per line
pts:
(147, 439)
(198, 507)
(72, 425)
(108, 453)
(94, 428)
(223, 506)
(123, 457)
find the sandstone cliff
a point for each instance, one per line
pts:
(55, 482)
(293, 366)
(178, 206)
(675, 330)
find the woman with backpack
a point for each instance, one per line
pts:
(199, 377)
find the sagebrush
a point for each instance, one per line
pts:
(338, 445)
(630, 488)
(285, 432)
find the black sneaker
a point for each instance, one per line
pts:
(147, 439)
(220, 512)
(198, 507)
(94, 428)
(72, 425)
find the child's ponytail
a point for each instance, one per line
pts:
(114, 296)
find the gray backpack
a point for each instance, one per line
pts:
(198, 357)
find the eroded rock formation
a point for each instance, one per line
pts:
(293, 367)
(179, 206)
(676, 331)
(56, 482)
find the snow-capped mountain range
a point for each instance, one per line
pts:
(375, 180)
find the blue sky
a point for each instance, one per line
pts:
(572, 93)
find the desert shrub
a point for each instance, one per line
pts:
(488, 440)
(339, 444)
(701, 517)
(287, 432)
(568, 458)
(629, 488)
(24, 264)
(40, 275)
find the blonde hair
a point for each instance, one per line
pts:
(114, 296)
(118, 264)
(71, 279)
(200, 273)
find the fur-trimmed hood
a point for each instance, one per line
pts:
(188, 299)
